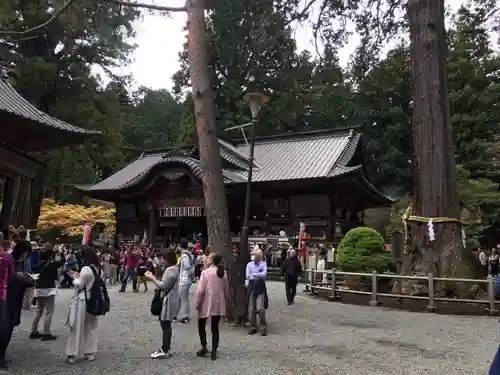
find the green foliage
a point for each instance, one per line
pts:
(481, 201)
(362, 250)
(383, 103)
(474, 86)
(260, 54)
(56, 72)
(384, 109)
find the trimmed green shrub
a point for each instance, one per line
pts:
(362, 250)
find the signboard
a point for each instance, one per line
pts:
(181, 202)
(180, 212)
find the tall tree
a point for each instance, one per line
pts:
(260, 53)
(435, 190)
(204, 112)
(474, 86)
(154, 121)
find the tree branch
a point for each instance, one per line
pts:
(304, 13)
(148, 6)
(56, 14)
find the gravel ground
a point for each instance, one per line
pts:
(310, 337)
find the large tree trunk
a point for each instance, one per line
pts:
(435, 190)
(204, 110)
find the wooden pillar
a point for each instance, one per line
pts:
(330, 224)
(7, 202)
(137, 231)
(20, 210)
(37, 194)
(153, 223)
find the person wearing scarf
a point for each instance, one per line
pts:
(256, 274)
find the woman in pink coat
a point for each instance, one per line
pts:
(211, 296)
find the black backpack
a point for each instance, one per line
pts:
(97, 300)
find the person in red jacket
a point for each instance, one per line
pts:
(130, 264)
(302, 253)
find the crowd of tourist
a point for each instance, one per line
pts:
(488, 261)
(31, 272)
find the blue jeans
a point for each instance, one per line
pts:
(184, 297)
(129, 274)
(495, 366)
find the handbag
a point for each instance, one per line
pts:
(157, 301)
(28, 298)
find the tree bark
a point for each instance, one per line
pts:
(435, 189)
(204, 110)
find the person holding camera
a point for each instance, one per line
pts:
(45, 292)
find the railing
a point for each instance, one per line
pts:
(312, 287)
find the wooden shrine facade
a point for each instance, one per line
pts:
(23, 187)
(317, 178)
(25, 129)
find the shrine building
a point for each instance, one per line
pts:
(24, 129)
(318, 178)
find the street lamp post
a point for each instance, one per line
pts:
(255, 101)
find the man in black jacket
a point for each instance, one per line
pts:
(291, 270)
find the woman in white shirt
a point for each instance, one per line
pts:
(83, 337)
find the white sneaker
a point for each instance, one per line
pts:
(89, 357)
(160, 354)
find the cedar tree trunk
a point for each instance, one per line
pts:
(435, 189)
(204, 110)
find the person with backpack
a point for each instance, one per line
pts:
(91, 301)
(186, 272)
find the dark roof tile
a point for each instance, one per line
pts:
(13, 103)
(299, 158)
(135, 172)
(313, 156)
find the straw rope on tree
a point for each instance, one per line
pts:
(408, 217)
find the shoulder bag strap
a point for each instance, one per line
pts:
(95, 278)
(169, 289)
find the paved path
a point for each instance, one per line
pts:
(311, 337)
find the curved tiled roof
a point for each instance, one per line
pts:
(13, 103)
(293, 158)
(129, 176)
(308, 156)
(312, 156)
